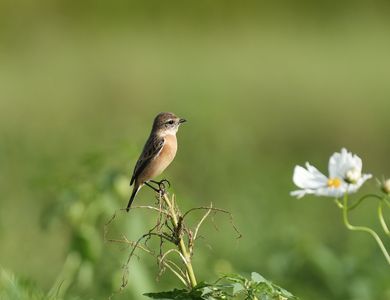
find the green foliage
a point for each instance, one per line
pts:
(86, 198)
(13, 287)
(232, 286)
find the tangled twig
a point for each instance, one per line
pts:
(169, 218)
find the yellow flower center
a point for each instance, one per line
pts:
(334, 182)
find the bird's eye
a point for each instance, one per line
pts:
(171, 122)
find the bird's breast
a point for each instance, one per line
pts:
(165, 157)
(170, 147)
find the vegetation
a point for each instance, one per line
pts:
(263, 87)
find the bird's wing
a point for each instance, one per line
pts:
(151, 149)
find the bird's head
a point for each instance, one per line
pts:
(167, 123)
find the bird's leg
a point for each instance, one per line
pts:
(152, 187)
(158, 189)
(161, 183)
(154, 181)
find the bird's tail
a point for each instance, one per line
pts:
(135, 191)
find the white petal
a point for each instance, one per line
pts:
(322, 191)
(341, 163)
(310, 178)
(333, 165)
(352, 188)
(298, 193)
(332, 191)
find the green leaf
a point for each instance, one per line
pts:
(256, 277)
(286, 293)
(237, 288)
(206, 290)
(235, 278)
(177, 295)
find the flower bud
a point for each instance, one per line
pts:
(386, 186)
(353, 175)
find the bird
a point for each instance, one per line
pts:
(157, 154)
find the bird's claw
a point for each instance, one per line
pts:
(161, 183)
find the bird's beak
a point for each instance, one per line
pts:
(182, 121)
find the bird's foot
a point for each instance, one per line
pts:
(161, 184)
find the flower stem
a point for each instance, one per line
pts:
(182, 247)
(382, 219)
(339, 205)
(363, 229)
(363, 198)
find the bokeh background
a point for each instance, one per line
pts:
(264, 85)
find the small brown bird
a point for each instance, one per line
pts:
(158, 153)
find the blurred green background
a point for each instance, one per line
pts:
(264, 85)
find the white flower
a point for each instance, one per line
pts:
(386, 186)
(345, 176)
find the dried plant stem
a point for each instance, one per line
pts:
(170, 228)
(201, 221)
(181, 245)
(175, 272)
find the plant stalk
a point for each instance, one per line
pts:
(363, 229)
(382, 219)
(182, 247)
